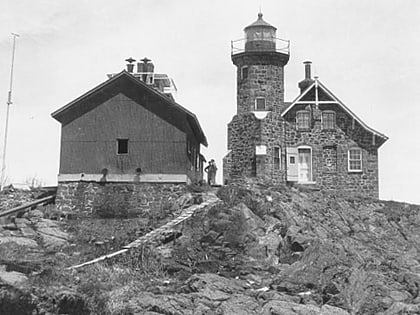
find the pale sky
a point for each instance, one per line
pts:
(367, 52)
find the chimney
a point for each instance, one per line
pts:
(140, 67)
(130, 65)
(307, 70)
(305, 83)
(150, 67)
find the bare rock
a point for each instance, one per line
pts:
(214, 282)
(162, 304)
(241, 304)
(289, 308)
(51, 242)
(400, 308)
(23, 241)
(51, 234)
(35, 214)
(12, 277)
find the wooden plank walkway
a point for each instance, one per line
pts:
(209, 199)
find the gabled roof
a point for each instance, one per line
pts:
(329, 98)
(138, 91)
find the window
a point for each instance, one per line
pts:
(328, 119)
(260, 103)
(276, 158)
(189, 148)
(244, 72)
(355, 160)
(303, 120)
(122, 146)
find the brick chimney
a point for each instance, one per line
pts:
(305, 83)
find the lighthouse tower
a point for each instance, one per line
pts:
(260, 68)
(255, 134)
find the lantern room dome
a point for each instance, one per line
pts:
(260, 23)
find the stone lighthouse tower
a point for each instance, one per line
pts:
(255, 134)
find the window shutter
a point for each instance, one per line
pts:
(291, 164)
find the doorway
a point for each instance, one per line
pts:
(304, 165)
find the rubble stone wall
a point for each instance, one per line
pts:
(116, 199)
(243, 133)
(272, 135)
(265, 78)
(262, 81)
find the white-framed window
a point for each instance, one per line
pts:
(303, 120)
(355, 160)
(260, 104)
(328, 119)
(244, 72)
(276, 158)
(122, 146)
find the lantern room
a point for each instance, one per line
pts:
(260, 36)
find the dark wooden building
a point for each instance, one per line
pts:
(126, 130)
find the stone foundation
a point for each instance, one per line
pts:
(116, 199)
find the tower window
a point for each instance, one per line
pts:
(244, 72)
(276, 158)
(303, 120)
(260, 103)
(328, 119)
(355, 160)
(122, 146)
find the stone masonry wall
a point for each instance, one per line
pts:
(115, 199)
(265, 79)
(243, 133)
(272, 135)
(330, 153)
(262, 81)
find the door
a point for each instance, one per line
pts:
(304, 165)
(291, 164)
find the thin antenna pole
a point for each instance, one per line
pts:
(9, 102)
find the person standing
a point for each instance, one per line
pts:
(211, 170)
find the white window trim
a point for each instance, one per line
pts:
(265, 104)
(322, 119)
(297, 124)
(361, 161)
(311, 181)
(242, 73)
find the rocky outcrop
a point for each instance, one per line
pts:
(33, 231)
(208, 294)
(257, 250)
(357, 254)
